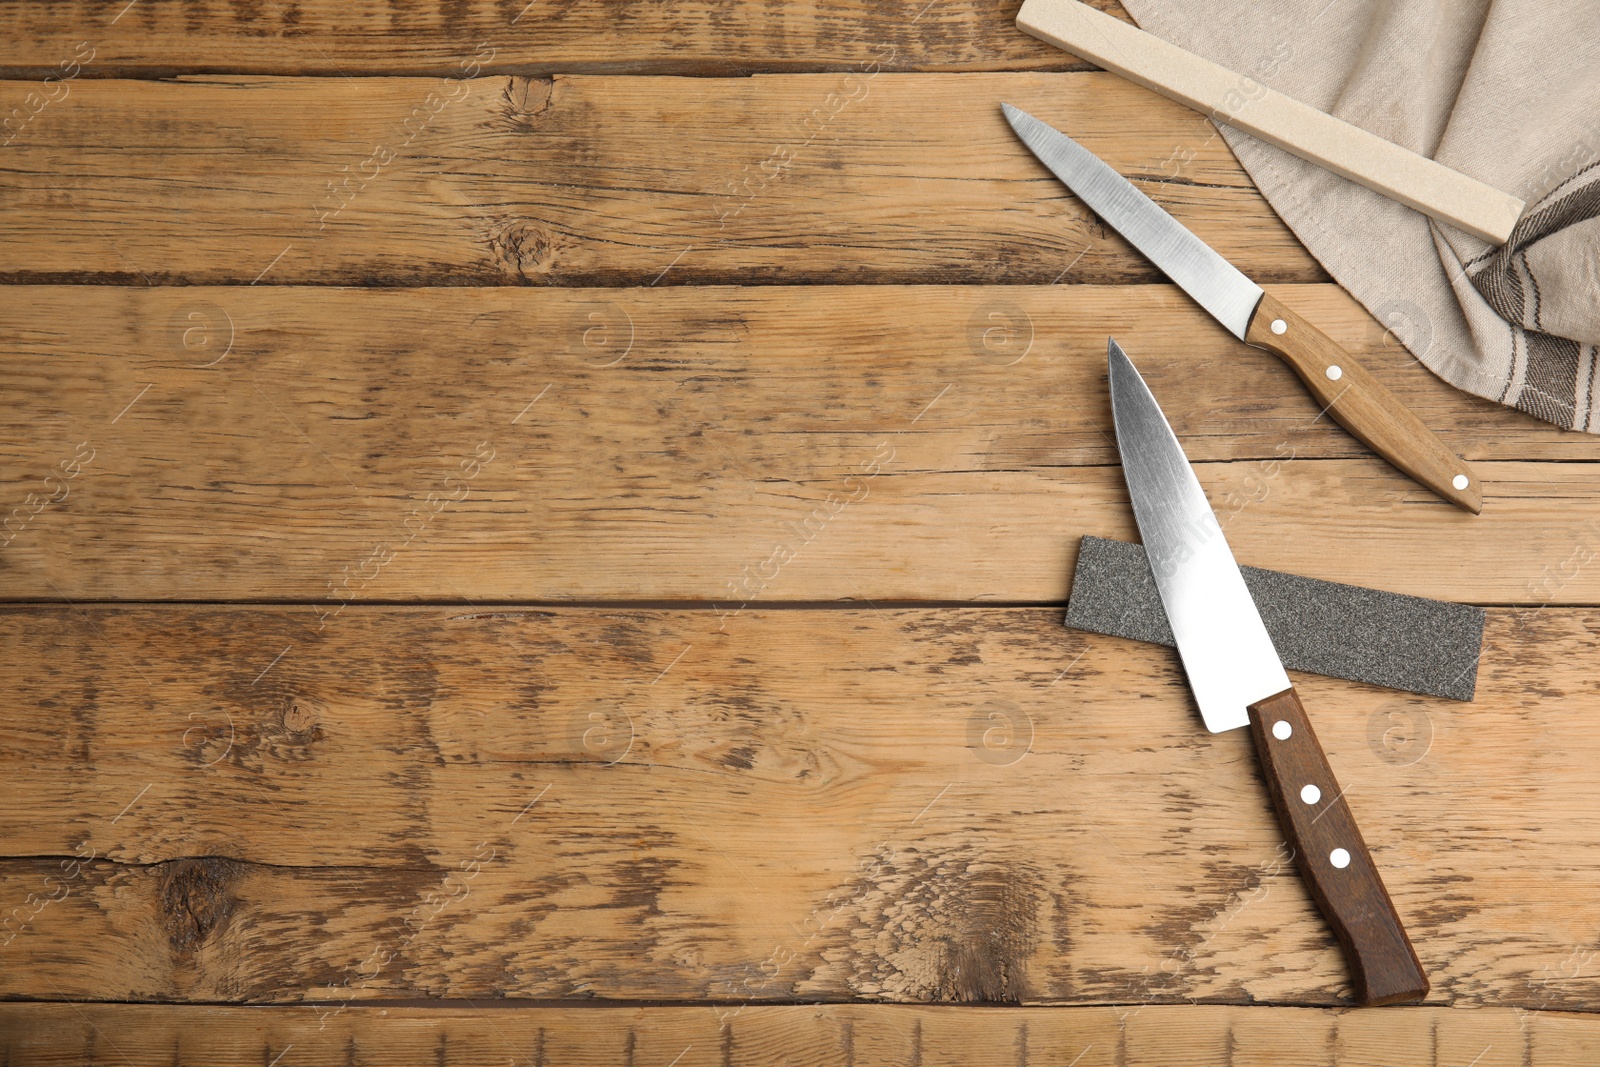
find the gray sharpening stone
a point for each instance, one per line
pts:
(1343, 631)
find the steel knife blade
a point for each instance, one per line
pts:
(1238, 680)
(1345, 389)
(1230, 660)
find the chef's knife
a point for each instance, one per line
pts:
(1238, 680)
(1345, 389)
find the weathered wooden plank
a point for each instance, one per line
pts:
(834, 1035)
(261, 443)
(968, 804)
(869, 176)
(326, 37)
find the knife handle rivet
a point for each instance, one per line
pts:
(1310, 794)
(1281, 730)
(1339, 858)
(1279, 326)
(1460, 481)
(1335, 372)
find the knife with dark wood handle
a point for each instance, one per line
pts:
(1331, 856)
(1238, 680)
(1342, 387)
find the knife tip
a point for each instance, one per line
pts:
(1115, 354)
(1121, 374)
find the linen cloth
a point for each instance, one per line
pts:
(1506, 91)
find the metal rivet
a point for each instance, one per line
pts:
(1335, 372)
(1279, 326)
(1281, 730)
(1459, 481)
(1339, 858)
(1310, 794)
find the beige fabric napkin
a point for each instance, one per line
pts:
(1507, 91)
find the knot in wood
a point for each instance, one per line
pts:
(523, 248)
(195, 899)
(301, 716)
(524, 100)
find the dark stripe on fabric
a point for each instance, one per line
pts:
(1495, 276)
(1550, 383)
(1594, 377)
(1502, 289)
(1571, 207)
(1533, 283)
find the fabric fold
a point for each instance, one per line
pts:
(1506, 91)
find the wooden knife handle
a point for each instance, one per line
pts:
(1362, 404)
(1331, 856)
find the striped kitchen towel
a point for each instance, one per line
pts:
(1506, 91)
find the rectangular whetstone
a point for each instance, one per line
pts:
(1342, 631)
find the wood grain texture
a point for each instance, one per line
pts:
(352, 364)
(329, 37)
(227, 803)
(866, 176)
(1360, 402)
(1331, 855)
(678, 439)
(35, 1035)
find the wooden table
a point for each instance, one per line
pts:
(538, 534)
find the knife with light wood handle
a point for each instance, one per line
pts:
(1244, 103)
(1238, 680)
(1341, 386)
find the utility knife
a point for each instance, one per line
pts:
(1238, 680)
(1345, 389)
